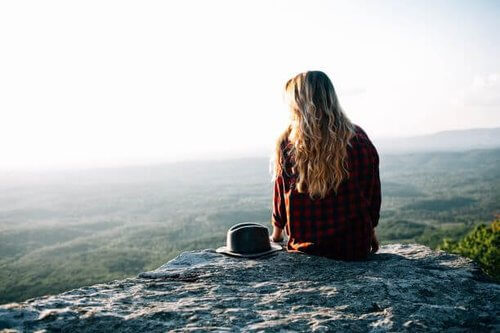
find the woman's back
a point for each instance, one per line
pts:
(340, 225)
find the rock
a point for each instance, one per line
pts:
(402, 288)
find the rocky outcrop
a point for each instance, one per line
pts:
(402, 288)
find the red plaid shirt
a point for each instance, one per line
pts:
(338, 226)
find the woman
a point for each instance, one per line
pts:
(326, 176)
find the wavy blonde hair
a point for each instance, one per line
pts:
(319, 133)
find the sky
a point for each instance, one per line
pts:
(104, 83)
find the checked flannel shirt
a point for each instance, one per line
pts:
(338, 226)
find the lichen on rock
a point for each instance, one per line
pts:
(402, 288)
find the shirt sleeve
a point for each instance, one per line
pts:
(376, 199)
(279, 208)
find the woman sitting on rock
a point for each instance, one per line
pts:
(327, 192)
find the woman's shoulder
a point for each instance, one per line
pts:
(360, 134)
(363, 139)
(286, 146)
(287, 157)
(359, 131)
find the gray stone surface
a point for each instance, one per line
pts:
(402, 288)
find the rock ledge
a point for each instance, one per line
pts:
(402, 288)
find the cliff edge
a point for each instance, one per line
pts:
(402, 288)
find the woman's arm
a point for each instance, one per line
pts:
(278, 217)
(277, 234)
(374, 244)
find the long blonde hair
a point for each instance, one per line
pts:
(319, 133)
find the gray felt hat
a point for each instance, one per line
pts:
(248, 240)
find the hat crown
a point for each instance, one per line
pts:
(248, 238)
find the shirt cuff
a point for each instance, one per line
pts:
(277, 224)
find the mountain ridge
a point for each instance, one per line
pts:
(448, 140)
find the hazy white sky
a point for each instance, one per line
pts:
(106, 82)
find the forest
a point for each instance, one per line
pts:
(62, 230)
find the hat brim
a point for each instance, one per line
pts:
(225, 250)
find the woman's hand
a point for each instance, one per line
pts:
(277, 235)
(275, 241)
(374, 244)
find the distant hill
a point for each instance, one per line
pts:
(454, 140)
